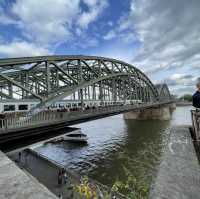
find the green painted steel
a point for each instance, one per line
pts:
(52, 78)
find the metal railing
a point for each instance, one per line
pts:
(58, 116)
(196, 124)
(52, 116)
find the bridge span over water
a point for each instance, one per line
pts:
(51, 78)
(78, 78)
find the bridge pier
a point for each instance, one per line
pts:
(155, 113)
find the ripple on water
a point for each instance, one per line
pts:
(109, 140)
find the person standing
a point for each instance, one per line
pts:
(26, 157)
(59, 177)
(65, 177)
(19, 156)
(196, 96)
(2, 118)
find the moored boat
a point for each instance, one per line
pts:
(76, 136)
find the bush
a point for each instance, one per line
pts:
(186, 97)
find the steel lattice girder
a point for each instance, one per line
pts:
(51, 78)
(163, 91)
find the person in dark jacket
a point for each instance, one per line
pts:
(196, 97)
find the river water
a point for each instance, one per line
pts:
(115, 144)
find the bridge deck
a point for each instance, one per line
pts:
(63, 119)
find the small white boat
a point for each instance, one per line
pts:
(76, 136)
(56, 140)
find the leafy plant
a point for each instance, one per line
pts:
(138, 173)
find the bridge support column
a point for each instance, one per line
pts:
(172, 106)
(159, 113)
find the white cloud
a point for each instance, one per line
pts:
(50, 22)
(110, 23)
(91, 3)
(182, 90)
(110, 35)
(95, 8)
(22, 49)
(168, 32)
(46, 21)
(178, 76)
(5, 20)
(116, 51)
(180, 79)
(180, 83)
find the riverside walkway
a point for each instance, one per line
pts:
(46, 171)
(179, 172)
(15, 183)
(36, 177)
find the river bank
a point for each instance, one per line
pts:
(16, 183)
(116, 146)
(46, 171)
(183, 103)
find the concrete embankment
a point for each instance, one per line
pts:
(179, 172)
(15, 183)
(46, 170)
(183, 103)
(162, 113)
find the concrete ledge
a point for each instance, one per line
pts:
(179, 172)
(160, 113)
(14, 183)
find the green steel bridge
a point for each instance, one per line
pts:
(84, 78)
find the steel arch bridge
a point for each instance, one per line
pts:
(52, 78)
(163, 92)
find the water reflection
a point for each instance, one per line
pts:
(112, 142)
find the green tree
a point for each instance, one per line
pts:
(186, 97)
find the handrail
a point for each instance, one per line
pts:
(196, 124)
(54, 116)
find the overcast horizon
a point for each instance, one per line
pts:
(159, 37)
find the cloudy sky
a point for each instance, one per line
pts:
(162, 38)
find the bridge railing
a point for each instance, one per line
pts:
(54, 116)
(196, 124)
(49, 117)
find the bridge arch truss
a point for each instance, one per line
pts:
(52, 78)
(163, 91)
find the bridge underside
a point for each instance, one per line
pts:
(14, 137)
(53, 78)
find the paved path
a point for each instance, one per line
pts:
(45, 172)
(179, 173)
(16, 184)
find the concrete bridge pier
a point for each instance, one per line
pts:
(155, 113)
(172, 106)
